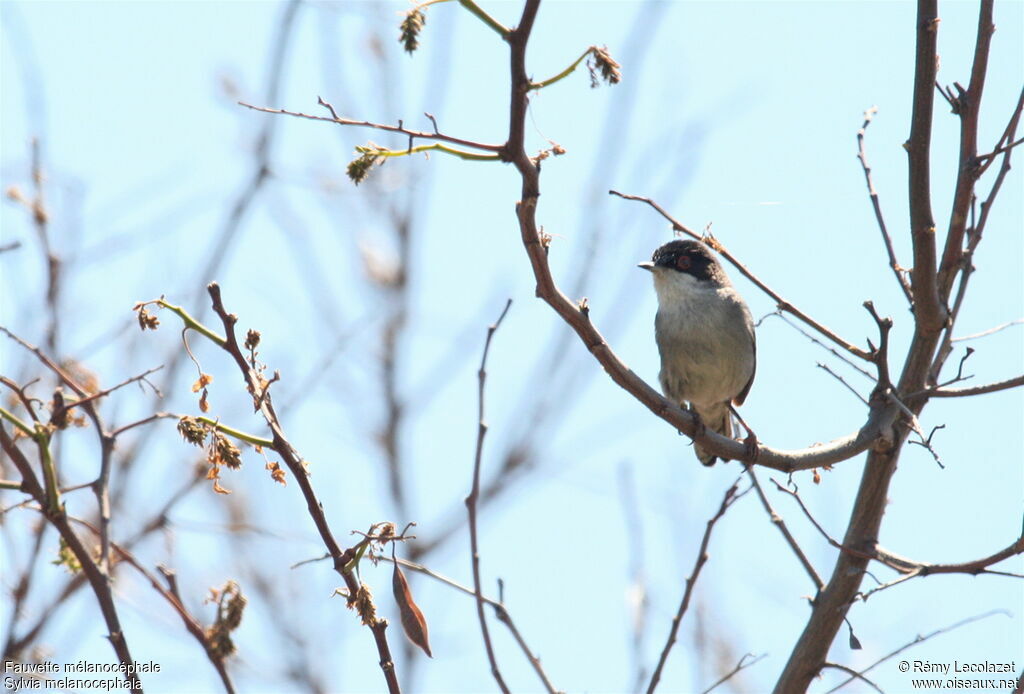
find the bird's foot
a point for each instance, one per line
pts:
(750, 446)
(699, 428)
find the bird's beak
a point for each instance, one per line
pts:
(648, 265)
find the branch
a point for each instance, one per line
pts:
(103, 393)
(880, 356)
(878, 426)
(702, 557)
(97, 578)
(831, 540)
(990, 331)
(781, 302)
(564, 73)
(1014, 382)
(862, 155)
(779, 523)
(743, 664)
(975, 567)
(968, 108)
(928, 307)
(974, 236)
(262, 400)
(400, 129)
(501, 614)
(854, 675)
(494, 24)
(918, 639)
(191, 624)
(471, 501)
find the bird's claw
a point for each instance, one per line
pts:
(699, 428)
(750, 446)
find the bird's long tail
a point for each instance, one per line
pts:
(717, 419)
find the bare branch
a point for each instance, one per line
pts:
(743, 664)
(928, 306)
(974, 567)
(842, 380)
(471, 502)
(103, 393)
(990, 331)
(862, 155)
(854, 675)
(779, 523)
(917, 640)
(1015, 382)
(702, 557)
(969, 110)
(192, 625)
(415, 134)
(97, 578)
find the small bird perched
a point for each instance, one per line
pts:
(705, 336)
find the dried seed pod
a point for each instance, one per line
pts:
(413, 622)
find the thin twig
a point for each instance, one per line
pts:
(170, 594)
(917, 640)
(1015, 382)
(779, 523)
(415, 134)
(862, 155)
(471, 502)
(990, 331)
(855, 675)
(973, 567)
(743, 664)
(831, 350)
(97, 579)
(728, 500)
(842, 380)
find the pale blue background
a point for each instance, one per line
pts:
(740, 114)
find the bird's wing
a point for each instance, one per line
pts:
(738, 400)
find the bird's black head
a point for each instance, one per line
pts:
(689, 257)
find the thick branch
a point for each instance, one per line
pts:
(811, 650)
(969, 109)
(928, 308)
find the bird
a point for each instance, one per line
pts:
(705, 337)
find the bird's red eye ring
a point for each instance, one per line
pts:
(683, 262)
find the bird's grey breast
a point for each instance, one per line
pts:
(706, 340)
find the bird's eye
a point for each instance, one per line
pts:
(683, 262)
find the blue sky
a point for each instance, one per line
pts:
(740, 115)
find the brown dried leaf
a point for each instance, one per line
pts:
(219, 489)
(277, 473)
(204, 380)
(413, 622)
